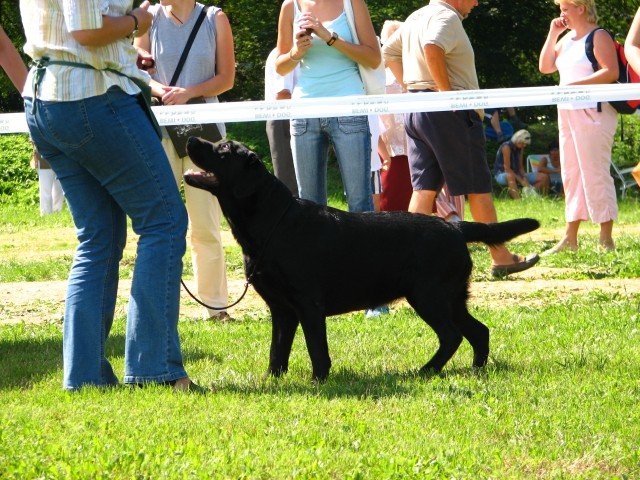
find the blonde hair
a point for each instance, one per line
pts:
(589, 8)
(521, 136)
(388, 29)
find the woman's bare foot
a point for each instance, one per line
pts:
(559, 247)
(607, 245)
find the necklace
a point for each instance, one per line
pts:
(178, 18)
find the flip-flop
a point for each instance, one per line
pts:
(529, 261)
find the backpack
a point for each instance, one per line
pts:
(626, 73)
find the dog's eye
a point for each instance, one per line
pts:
(225, 147)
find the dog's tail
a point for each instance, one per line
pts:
(497, 233)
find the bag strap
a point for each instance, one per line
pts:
(348, 10)
(41, 64)
(588, 50)
(187, 47)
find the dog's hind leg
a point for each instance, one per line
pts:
(284, 323)
(435, 310)
(476, 332)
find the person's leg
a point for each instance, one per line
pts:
(396, 185)
(310, 148)
(495, 124)
(352, 143)
(376, 189)
(46, 177)
(539, 181)
(450, 207)
(128, 163)
(426, 175)
(207, 253)
(279, 136)
(575, 209)
(483, 210)
(594, 141)
(606, 235)
(209, 267)
(514, 120)
(101, 231)
(509, 180)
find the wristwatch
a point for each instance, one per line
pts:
(332, 40)
(135, 26)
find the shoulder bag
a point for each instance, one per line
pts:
(179, 134)
(373, 79)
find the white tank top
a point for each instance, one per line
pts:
(573, 64)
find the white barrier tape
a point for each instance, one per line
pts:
(371, 104)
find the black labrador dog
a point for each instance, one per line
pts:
(308, 261)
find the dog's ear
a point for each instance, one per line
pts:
(253, 175)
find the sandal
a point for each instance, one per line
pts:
(500, 271)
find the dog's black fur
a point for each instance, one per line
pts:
(309, 261)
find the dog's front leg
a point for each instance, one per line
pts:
(314, 326)
(284, 324)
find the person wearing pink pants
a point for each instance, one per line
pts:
(586, 128)
(586, 138)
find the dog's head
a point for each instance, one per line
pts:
(229, 168)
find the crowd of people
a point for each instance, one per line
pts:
(87, 107)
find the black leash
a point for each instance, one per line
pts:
(246, 287)
(253, 270)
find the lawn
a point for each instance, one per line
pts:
(558, 399)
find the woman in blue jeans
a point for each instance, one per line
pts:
(328, 57)
(90, 125)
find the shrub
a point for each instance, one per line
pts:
(18, 181)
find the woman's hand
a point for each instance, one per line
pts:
(175, 96)
(311, 24)
(558, 25)
(303, 43)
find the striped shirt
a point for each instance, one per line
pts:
(47, 25)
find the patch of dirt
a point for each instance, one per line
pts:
(39, 302)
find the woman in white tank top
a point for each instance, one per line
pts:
(587, 128)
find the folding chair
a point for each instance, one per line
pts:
(625, 178)
(533, 161)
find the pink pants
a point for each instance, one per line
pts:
(586, 138)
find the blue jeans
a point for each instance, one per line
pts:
(351, 140)
(501, 178)
(111, 165)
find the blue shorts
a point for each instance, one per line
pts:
(447, 147)
(501, 178)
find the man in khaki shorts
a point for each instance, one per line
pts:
(432, 52)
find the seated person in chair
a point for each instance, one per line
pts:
(550, 164)
(509, 167)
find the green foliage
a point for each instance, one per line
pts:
(506, 35)
(626, 147)
(10, 99)
(18, 181)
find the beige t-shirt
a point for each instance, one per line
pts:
(439, 24)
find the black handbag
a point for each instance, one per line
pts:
(179, 134)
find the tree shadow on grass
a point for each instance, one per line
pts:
(25, 360)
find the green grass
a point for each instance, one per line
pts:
(558, 400)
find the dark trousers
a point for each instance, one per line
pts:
(279, 137)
